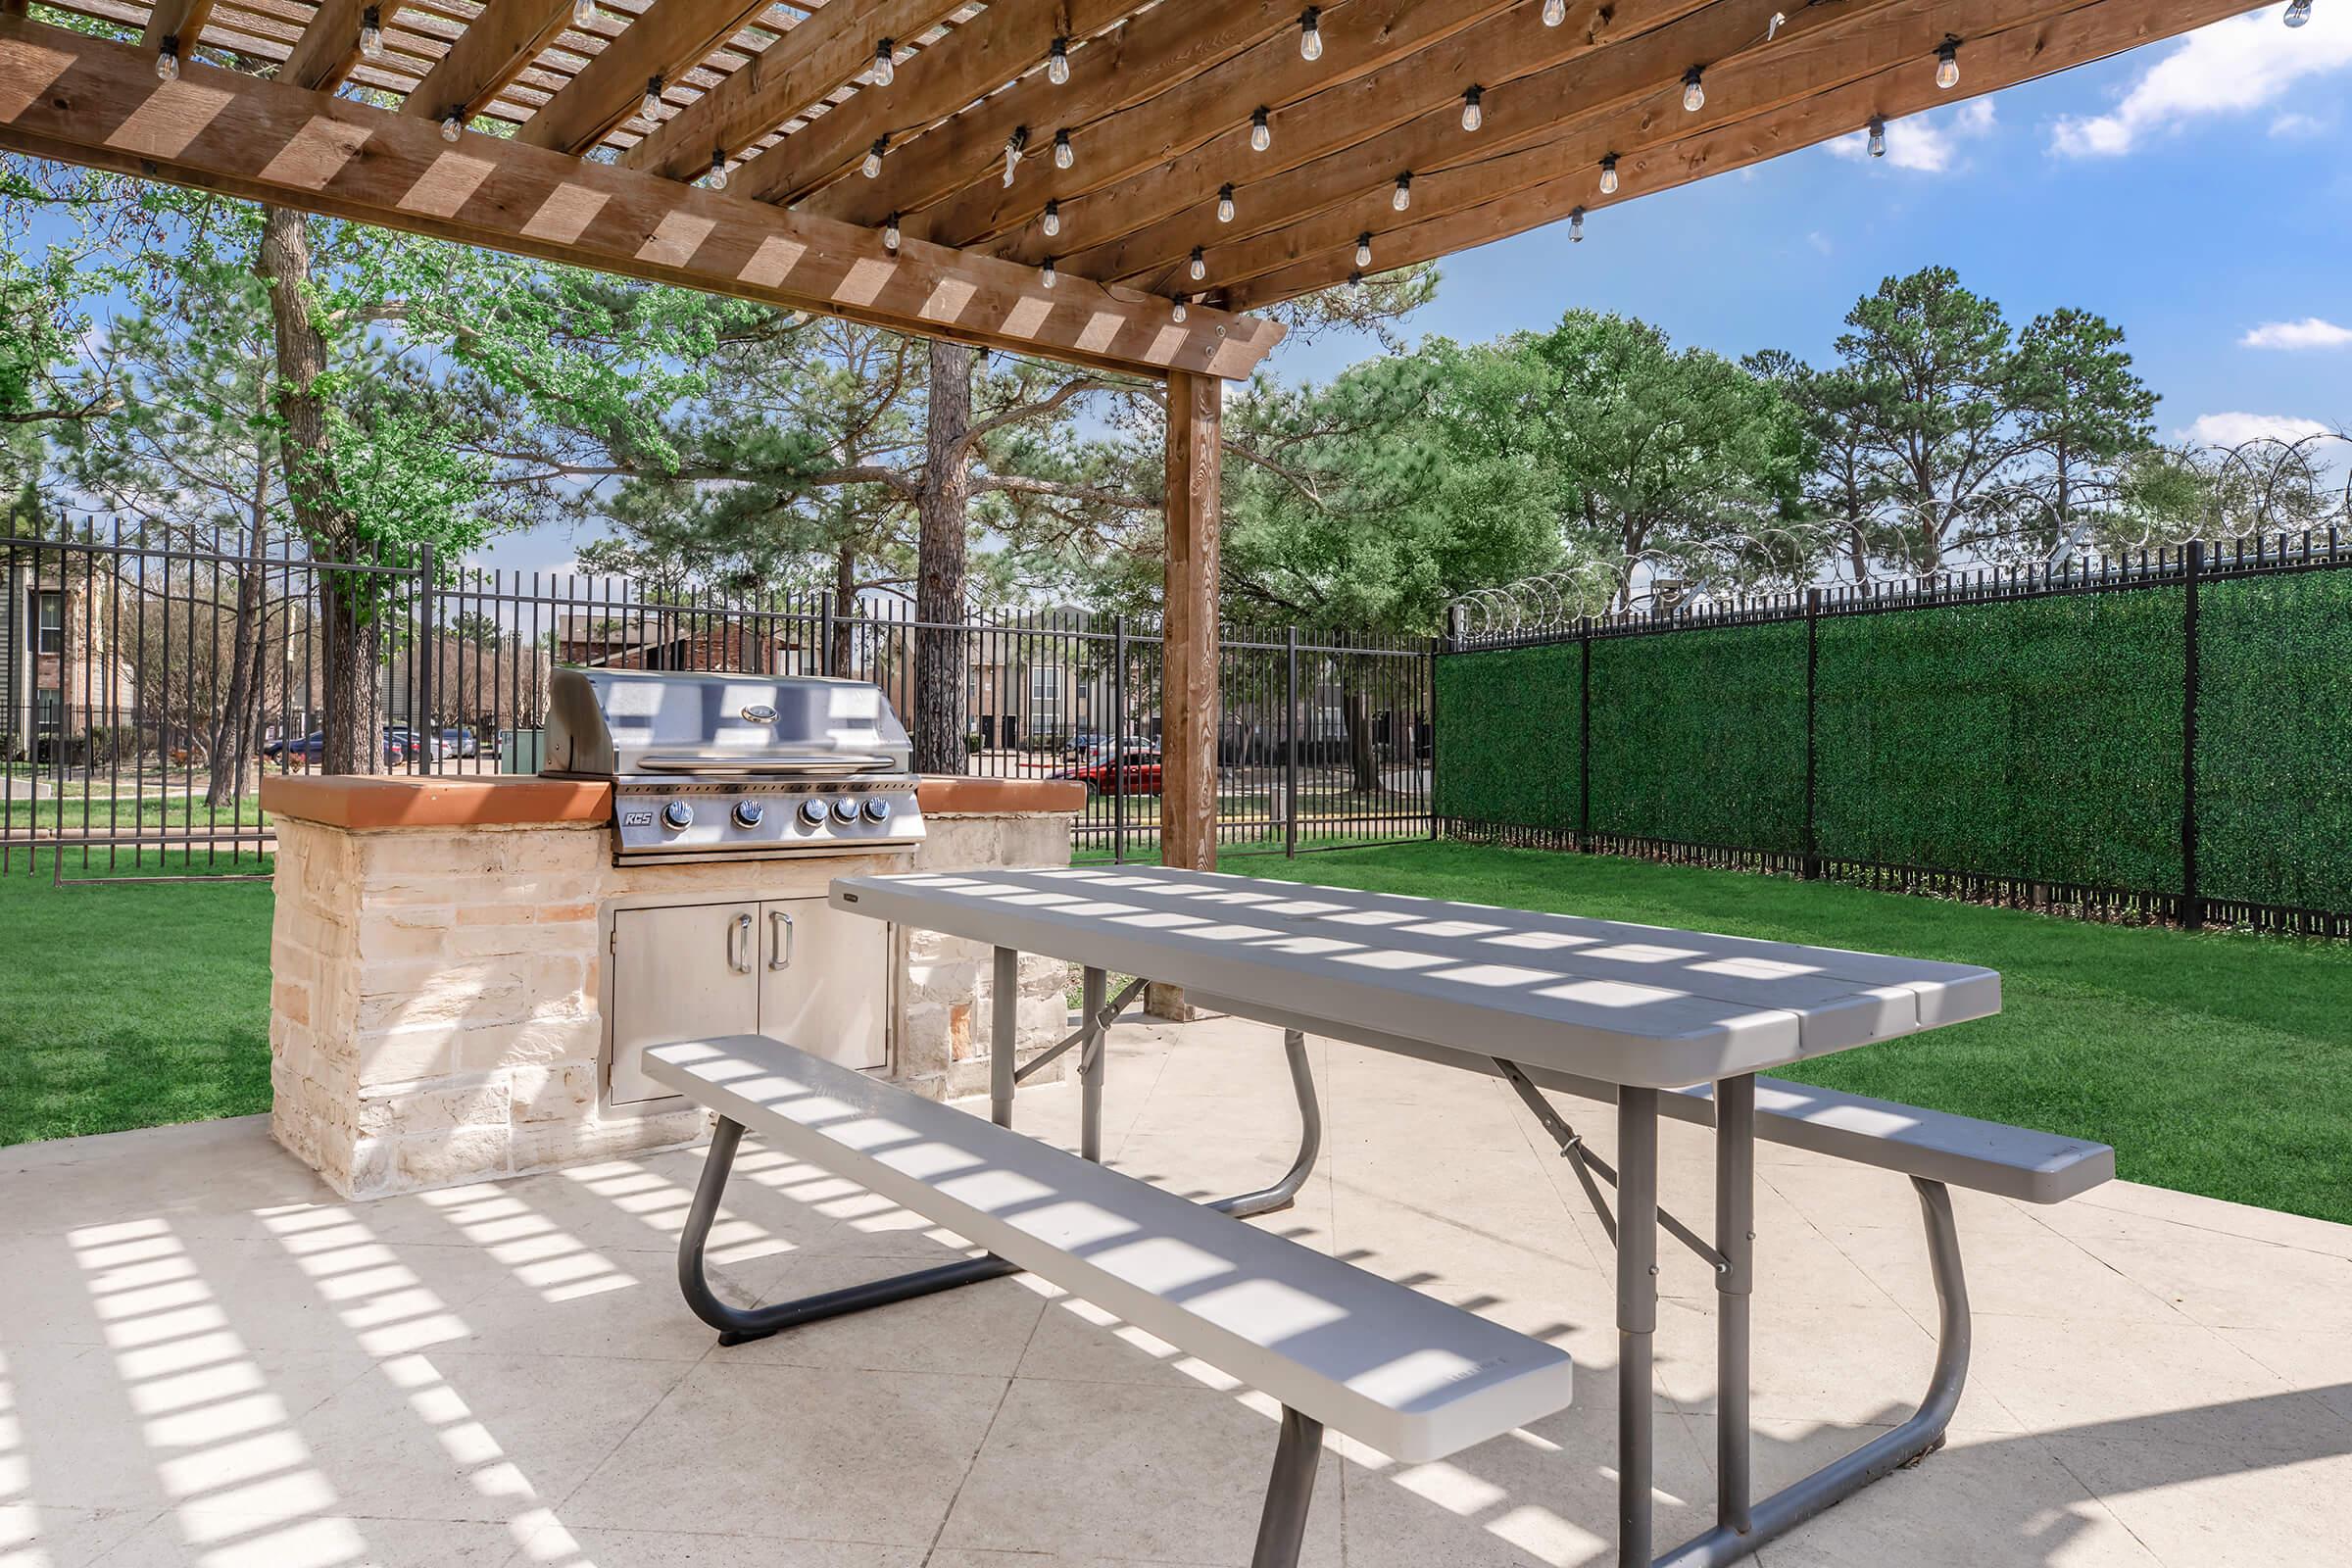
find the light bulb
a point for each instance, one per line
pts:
(1402, 197)
(1200, 266)
(451, 124)
(718, 170)
(2298, 13)
(1609, 175)
(372, 33)
(1057, 63)
(1878, 137)
(872, 167)
(1176, 309)
(1052, 220)
(890, 234)
(1576, 224)
(1225, 204)
(583, 11)
(1310, 34)
(1694, 92)
(1363, 250)
(1947, 65)
(652, 107)
(1013, 151)
(886, 63)
(1063, 156)
(1261, 134)
(1556, 11)
(1473, 113)
(1048, 275)
(167, 63)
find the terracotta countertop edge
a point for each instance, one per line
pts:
(359, 802)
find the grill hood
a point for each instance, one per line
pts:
(626, 723)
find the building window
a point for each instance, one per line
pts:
(49, 622)
(48, 710)
(1044, 696)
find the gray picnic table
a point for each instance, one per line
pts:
(1658, 1021)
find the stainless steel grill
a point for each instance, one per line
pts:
(736, 767)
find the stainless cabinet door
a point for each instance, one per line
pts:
(681, 973)
(824, 981)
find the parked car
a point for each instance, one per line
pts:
(1132, 770)
(416, 745)
(460, 742)
(305, 750)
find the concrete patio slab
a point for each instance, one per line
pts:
(207, 1358)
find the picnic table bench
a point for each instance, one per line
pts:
(1655, 1022)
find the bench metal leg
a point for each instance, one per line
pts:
(1834, 1483)
(1282, 1522)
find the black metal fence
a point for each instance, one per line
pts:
(2165, 735)
(147, 683)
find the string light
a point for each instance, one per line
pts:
(1310, 34)
(1556, 11)
(1878, 136)
(371, 32)
(652, 107)
(718, 170)
(167, 63)
(1047, 274)
(1261, 134)
(890, 234)
(1063, 156)
(1948, 63)
(886, 63)
(1176, 309)
(1472, 116)
(1609, 175)
(452, 124)
(1576, 224)
(1057, 61)
(1012, 150)
(1402, 197)
(1363, 249)
(1200, 266)
(1053, 218)
(583, 11)
(2299, 12)
(1771, 29)
(1694, 92)
(1355, 279)
(872, 168)
(1225, 204)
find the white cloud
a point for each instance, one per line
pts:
(2295, 127)
(2234, 430)
(2311, 332)
(1928, 143)
(2231, 68)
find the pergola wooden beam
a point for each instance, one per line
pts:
(834, 46)
(182, 20)
(329, 44)
(995, 47)
(78, 99)
(1511, 200)
(666, 41)
(492, 51)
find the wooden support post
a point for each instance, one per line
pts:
(1188, 739)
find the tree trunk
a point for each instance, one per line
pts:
(1355, 703)
(944, 509)
(353, 742)
(844, 609)
(233, 725)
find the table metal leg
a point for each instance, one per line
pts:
(1282, 1520)
(1637, 1317)
(1092, 1063)
(1735, 1288)
(1003, 1034)
(1267, 1200)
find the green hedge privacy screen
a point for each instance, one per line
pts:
(2034, 740)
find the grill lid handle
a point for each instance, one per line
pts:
(809, 764)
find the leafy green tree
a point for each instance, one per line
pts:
(2082, 410)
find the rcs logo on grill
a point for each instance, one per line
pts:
(760, 713)
(636, 819)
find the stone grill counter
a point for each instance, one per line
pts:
(438, 998)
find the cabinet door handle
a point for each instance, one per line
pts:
(779, 939)
(739, 944)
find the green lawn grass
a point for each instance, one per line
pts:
(2214, 1063)
(131, 1004)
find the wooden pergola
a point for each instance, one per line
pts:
(1113, 184)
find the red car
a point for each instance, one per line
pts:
(1136, 773)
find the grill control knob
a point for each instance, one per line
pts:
(845, 810)
(813, 813)
(677, 814)
(877, 808)
(749, 812)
